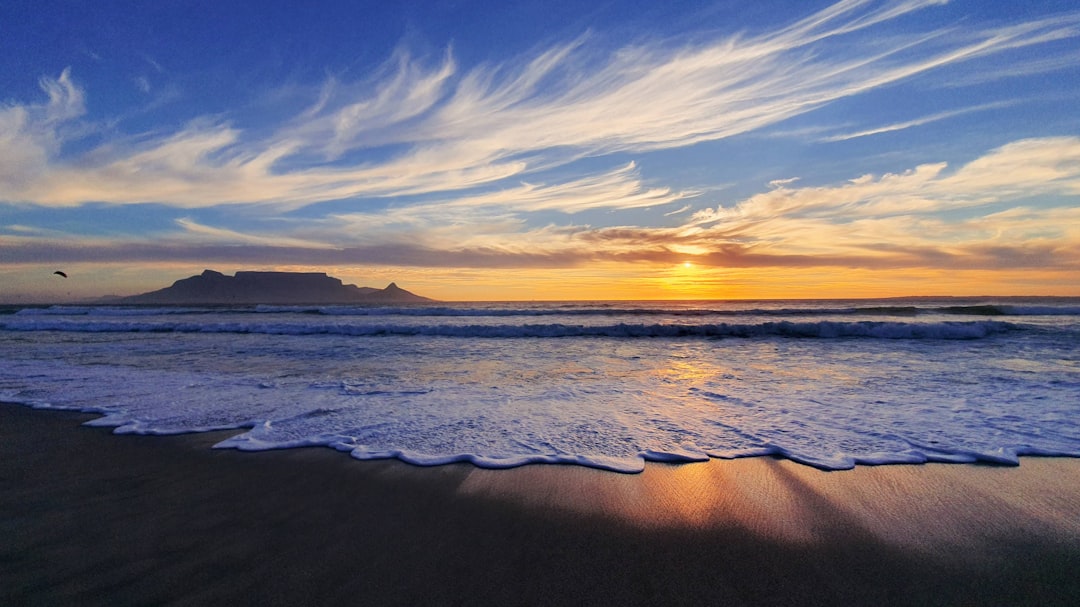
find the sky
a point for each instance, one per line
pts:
(501, 150)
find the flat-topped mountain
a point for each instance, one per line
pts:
(286, 288)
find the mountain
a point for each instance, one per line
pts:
(285, 288)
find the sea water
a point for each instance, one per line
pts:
(611, 385)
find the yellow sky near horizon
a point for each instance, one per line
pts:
(609, 281)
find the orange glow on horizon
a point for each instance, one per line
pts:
(685, 281)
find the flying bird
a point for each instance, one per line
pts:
(59, 273)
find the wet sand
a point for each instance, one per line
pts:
(89, 518)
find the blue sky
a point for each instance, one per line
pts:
(536, 150)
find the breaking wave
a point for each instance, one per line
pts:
(818, 329)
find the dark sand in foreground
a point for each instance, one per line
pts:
(92, 518)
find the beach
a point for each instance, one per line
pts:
(92, 518)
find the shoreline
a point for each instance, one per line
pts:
(95, 518)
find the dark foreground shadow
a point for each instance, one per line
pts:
(94, 519)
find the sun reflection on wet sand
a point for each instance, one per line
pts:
(922, 507)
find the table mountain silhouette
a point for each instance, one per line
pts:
(283, 288)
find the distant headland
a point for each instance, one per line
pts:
(284, 288)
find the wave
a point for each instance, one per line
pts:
(577, 310)
(820, 329)
(615, 310)
(1041, 310)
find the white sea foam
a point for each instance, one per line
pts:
(502, 390)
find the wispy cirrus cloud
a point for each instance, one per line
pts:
(209, 234)
(31, 135)
(1017, 69)
(415, 128)
(907, 124)
(979, 215)
(618, 189)
(986, 214)
(496, 219)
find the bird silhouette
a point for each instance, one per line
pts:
(59, 273)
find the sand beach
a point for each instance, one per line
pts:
(91, 518)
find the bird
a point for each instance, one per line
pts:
(60, 273)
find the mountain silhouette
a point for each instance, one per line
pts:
(287, 288)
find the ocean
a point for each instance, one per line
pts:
(611, 385)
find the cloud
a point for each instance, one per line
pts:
(1016, 171)
(924, 216)
(65, 99)
(1021, 169)
(1019, 69)
(618, 189)
(204, 233)
(402, 91)
(899, 126)
(779, 183)
(413, 128)
(1013, 208)
(928, 216)
(30, 135)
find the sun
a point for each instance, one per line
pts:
(683, 280)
